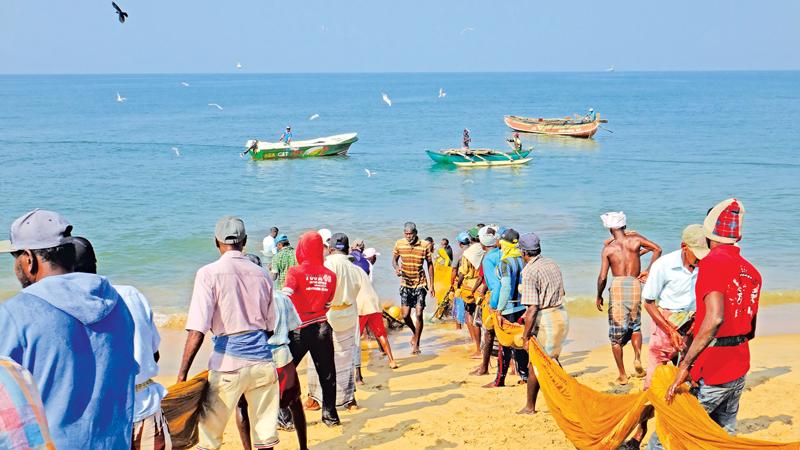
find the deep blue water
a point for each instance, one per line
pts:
(680, 143)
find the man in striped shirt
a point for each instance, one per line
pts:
(408, 258)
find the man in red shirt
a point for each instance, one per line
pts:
(728, 290)
(311, 286)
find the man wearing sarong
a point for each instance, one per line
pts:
(546, 317)
(232, 298)
(466, 282)
(728, 290)
(509, 307)
(671, 284)
(311, 285)
(351, 282)
(490, 288)
(408, 258)
(622, 255)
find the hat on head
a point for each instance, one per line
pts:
(340, 241)
(614, 220)
(230, 230)
(724, 222)
(530, 242)
(695, 238)
(473, 232)
(326, 235)
(510, 235)
(281, 238)
(488, 236)
(370, 252)
(36, 230)
(463, 237)
(85, 258)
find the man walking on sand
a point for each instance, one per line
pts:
(622, 255)
(727, 292)
(232, 298)
(408, 258)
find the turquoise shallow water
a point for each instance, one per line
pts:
(680, 143)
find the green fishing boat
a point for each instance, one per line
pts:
(325, 146)
(479, 157)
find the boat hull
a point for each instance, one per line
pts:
(479, 158)
(555, 127)
(339, 148)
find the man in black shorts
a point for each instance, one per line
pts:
(408, 258)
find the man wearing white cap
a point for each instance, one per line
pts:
(371, 255)
(622, 255)
(728, 290)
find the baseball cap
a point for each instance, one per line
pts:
(473, 232)
(724, 222)
(463, 237)
(326, 235)
(36, 230)
(370, 252)
(530, 242)
(510, 235)
(695, 238)
(340, 241)
(230, 230)
(282, 238)
(488, 236)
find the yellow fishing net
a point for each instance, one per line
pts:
(509, 334)
(182, 407)
(595, 420)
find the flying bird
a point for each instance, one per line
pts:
(467, 30)
(120, 98)
(386, 98)
(314, 117)
(239, 65)
(184, 84)
(468, 181)
(442, 93)
(177, 151)
(216, 106)
(122, 15)
(369, 172)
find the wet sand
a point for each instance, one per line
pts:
(431, 401)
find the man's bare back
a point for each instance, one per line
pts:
(622, 255)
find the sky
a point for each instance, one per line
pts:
(269, 36)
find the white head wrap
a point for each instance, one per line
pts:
(326, 236)
(614, 220)
(487, 239)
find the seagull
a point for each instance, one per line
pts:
(442, 93)
(610, 69)
(216, 106)
(386, 98)
(120, 98)
(184, 84)
(467, 30)
(177, 151)
(468, 181)
(314, 117)
(122, 14)
(369, 173)
(239, 65)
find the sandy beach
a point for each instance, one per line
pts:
(431, 402)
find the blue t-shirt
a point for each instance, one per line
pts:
(74, 334)
(510, 273)
(490, 262)
(287, 137)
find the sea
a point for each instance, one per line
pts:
(675, 144)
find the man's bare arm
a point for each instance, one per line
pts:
(429, 262)
(675, 338)
(650, 246)
(530, 318)
(396, 263)
(193, 342)
(602, 279)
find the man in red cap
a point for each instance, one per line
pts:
(727, 291)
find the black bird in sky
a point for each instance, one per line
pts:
(122, 14)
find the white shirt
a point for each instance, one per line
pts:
(286, 320)
(269, 251)
(145, 344)
(353, 289)
(671, 283)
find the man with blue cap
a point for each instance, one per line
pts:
(282, 260)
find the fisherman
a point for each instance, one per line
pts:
(546, 317)
(727, 292)
(286, 137)
(150, 429)
(283, 260)
(73, 333)
(491, 286)
(445, 244)
(517, 142)
(671, 282)
(311, 287)
(269, 248)
(467, 279)
(232, 298)
(357, 254)
(622, 255)
(591, 116)
(371, 256)
(508, 307)
(409, 256)
(466, 139)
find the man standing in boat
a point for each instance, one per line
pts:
(286, 137)
(591, 116)
(466, 140)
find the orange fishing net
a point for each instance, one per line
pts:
(182, 406)
(594, 420)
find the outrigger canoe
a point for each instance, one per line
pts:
(561, 127)
(479, 157)
(325, 146)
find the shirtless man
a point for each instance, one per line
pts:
(622, 254)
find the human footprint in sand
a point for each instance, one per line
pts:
(622, 255)
(408, 258)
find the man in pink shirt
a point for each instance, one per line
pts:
(232, 298)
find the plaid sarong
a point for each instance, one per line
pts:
(344, 353)
(625, 298)
(550, 328)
